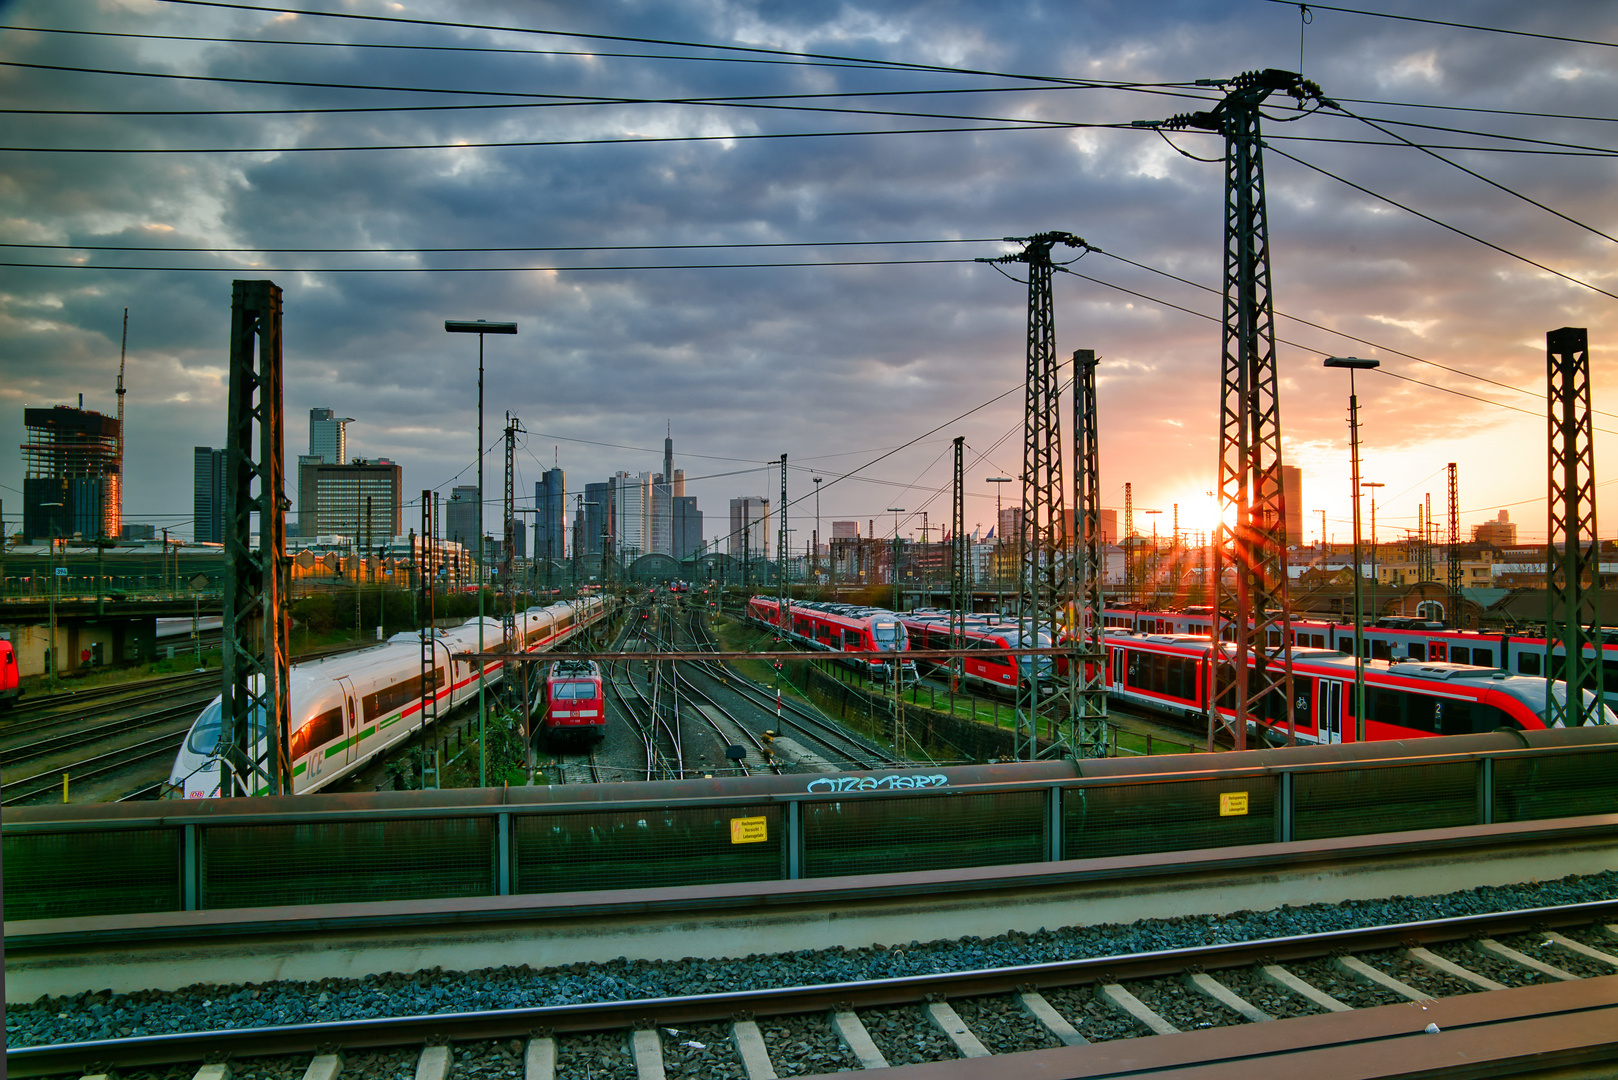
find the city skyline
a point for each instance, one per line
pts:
(864, 371)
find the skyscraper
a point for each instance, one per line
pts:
(749, 515)
(1292, 493)
(463, 516)
(630, 498)
(687, 529)
(550, 521)
(208, 495)
(328, 436)
(71, 479)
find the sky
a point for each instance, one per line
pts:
(754, 226)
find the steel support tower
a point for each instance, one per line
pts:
(1256, 618)
(1131, 583)
(1040, 575)
(960, 595)
(782, 589)
(429, 578)
(1455, 583)
(255, 706)
(1087, 661)
(1573, 581)
(508, 563)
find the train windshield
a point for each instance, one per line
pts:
(204, 737)
(886, 633)
(572, 690)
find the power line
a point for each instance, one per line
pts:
(502, 249)
(473, 269)
(1455, 25)
(1443, 225)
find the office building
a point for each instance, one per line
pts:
(1292, 493)
(208, 495)
(631, 496)
(1501, 532)
(687, 530)
(550, 517)
(71, 480)
(462, 520)
(328, 436)
(596, 512)
(360, 500)
(749, 523)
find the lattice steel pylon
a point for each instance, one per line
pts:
(429, 578)
(1087, 661)
(1454, 551)
(508, 564)
(255, 706)
(1570, 600)
(1039, 576)
(1252, 527)
(959, 594)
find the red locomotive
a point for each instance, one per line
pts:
(574, 707)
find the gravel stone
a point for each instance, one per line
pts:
(703, 1050)
(384, 1065)
(593, 1057)
(1418, 976)
(1324, 976)
(1093, 1019)
(804, 1045)
(280, 1067)
(1186, 1008)
(1248, 984)
(906, 1036)
(1002, 1025)
(492, 1060)
(1488, 965)
(105, 1015)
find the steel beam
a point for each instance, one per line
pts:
(1573, 578)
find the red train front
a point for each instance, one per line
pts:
(574, 707)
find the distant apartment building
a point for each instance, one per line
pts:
(1501, 532)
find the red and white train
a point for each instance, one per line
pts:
(575, 709)
(1394, 639)
(1403, 699)
(928, 629)
(10, 681)
(840, 628)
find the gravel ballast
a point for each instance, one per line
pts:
(104, 1015)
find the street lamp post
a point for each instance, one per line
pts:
(1353, 364)
(480, 327)
(1373, 485)
(999, 541)
(814, 572)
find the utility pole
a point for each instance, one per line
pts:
(1456, 621)
(429, 666)
(1252, 520)
(1039, 593)
(255, 703)
(959, 595)
(1572, 522)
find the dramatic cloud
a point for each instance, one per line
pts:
(833, 365)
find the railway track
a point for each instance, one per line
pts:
(46, 784)
(1482, 995)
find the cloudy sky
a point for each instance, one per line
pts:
(754, 224)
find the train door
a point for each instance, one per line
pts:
(1437, 649)
(1117, 670)
(351, 721)
(1329, 715)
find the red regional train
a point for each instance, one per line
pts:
(1403, 699)
(929, 629)
(1394, 639)
(841, 628)
(10, 680)
(574, 707)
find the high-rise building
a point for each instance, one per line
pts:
(596, 514)
(687, 527)
(845, 530)
(550, 519)
(631, 498)
(208, 495)
(1292, 492)
(328, 436)
(749, 517)
(361, 500)
(71, 484)
(463, 516)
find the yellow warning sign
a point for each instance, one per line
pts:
(749, 830)
(1231, 804)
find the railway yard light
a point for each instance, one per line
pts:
(1353, 364)
(999, 541)
(480, 327)
(1373, 485)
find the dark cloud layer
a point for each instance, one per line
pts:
(832, 365)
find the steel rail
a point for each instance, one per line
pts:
(670, 1011)
(16, 755)
(109, 762)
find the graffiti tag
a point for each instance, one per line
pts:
(890, 782)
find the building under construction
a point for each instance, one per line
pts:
(71, 475)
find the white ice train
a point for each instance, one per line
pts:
(348, 709)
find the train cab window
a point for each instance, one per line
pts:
(1528, 663)
(573, 690)
(1460, 654)
(321, 730)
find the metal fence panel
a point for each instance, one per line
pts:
(648, 848)
(1100, 821)
(70, 875)
(1547, 786)
(939, 832)
(1354, 802)
(346, 861)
